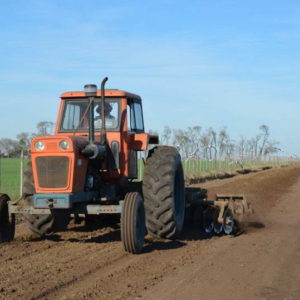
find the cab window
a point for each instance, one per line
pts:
(135, 121)
(76, 115)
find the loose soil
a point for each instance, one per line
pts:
(81, 263)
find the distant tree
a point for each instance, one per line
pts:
(204, 142)
(213, 150)
(193, 143)
(10, 147)
(44, 128)
(194, 136)
(166, 136)
(222, 142)
(242, 147)
(182, 142)
(265, 135)
(271, 147)
(24, 139)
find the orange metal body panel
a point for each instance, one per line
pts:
(77, 162)
(108, 93)
(139, 141)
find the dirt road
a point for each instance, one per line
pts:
(264, 263)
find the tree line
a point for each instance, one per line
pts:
(13, 147)
(209, 144)
(193, 143)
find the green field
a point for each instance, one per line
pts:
(10, 176)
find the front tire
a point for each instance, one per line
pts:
(40, 224)
(163, 190)
(133, 223)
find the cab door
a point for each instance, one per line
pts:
(135, 124)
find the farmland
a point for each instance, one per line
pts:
(250, 266)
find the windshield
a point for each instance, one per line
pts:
(76, 115)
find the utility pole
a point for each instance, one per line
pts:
(22, 144)
(21, 171)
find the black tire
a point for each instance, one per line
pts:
(7, 221)
(163, 191)
(43, 225)
(133, 223)
(40, 224)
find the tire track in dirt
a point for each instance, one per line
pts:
(93, 265)
(261, 264)
(85, 275)
(52, 265)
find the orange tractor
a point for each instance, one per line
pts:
(90, 166)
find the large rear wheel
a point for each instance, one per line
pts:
(163, 191)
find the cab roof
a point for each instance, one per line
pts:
(108, 93)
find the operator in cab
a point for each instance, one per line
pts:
(110, 120)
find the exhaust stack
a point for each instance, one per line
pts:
(103, 129)
(92, 150)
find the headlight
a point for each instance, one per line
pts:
(40, 146)
(64, 145)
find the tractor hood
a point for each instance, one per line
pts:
(58, 164)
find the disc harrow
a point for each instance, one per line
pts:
(223, 215)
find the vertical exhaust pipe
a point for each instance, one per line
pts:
(103, 129)
(92, 150)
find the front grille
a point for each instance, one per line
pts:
(52, 171)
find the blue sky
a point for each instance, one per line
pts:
(207, 63)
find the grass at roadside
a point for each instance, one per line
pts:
(10, 176)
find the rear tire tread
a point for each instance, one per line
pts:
(159, 188)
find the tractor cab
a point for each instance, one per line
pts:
(122, 111)
(97, 137)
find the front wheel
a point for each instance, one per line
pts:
(43, 225)
(133, 223)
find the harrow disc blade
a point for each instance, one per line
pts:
(229, 223)
(209, 227)
(218, 227)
